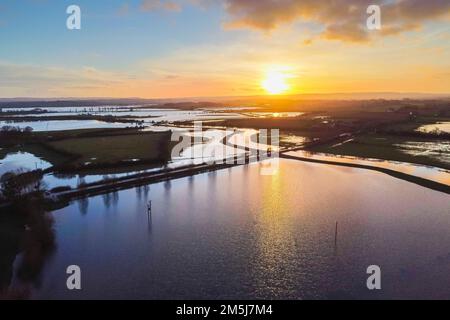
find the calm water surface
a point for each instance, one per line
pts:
(440, 126)
(427, 172)
(22, 160)
(238, 234)
(61, 125)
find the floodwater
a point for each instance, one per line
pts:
(274, 114)
(22, 160)
(153, 114)
(65, 125)
(149, 116)
(238, 234)
(54, 180)
(211, 148)
(439, 127)
(427, 172)
(439, 150)
(208, 149)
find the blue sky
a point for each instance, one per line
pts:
(36, 32)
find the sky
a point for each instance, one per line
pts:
(195, 48)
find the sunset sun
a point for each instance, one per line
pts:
(276, 82)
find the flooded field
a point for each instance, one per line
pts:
(439, 127)
(438, 150)
(40, 126)
(22, 160)
(148, 116)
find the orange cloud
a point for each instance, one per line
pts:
(343, 20)
(153, 5)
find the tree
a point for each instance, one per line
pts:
(28, 129)
(9, 186)
(16, 184)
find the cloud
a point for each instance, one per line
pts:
(34, 80)
(124, 10)
(155, 5)
(343, 20)
(348, 32)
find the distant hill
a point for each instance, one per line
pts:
(74, 102)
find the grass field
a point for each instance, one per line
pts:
(112, 149)
(96, 150)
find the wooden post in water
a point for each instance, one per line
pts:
(149, 215)
(149, 207)
(335, 234)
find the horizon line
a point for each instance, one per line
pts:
(298, 95)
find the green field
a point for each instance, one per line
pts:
(112, 149)
(96, 150)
